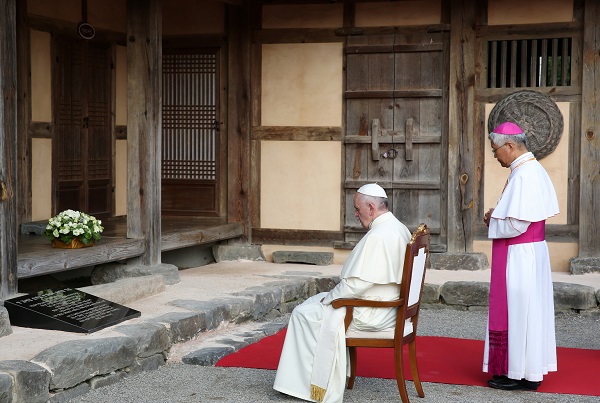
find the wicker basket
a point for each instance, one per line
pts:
(536, 114)
(75, 243)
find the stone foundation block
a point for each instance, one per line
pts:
(29, 381)
(126, 290)
(111, 272)
(291, 256)
(431, 293)
(67, 395)
(76, 361)
(5, 328)
(150, 338)
(465, 293)
(574, 296)
(238, 252)
(582, 265)
(458, 261)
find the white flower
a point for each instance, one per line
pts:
(70, 224)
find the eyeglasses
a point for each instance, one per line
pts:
(497, 148)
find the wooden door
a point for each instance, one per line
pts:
(82, 142)
(190, 127)
(395, 126)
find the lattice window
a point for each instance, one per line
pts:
(529, 63)
(189, 115)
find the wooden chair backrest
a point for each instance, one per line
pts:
(413, 278)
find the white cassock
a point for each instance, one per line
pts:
(315, 355)
(527, 201)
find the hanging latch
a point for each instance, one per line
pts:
(375, 139)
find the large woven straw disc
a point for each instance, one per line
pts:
(536, 114)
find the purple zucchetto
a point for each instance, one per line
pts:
(508, 128)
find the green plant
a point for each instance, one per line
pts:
(74, 224)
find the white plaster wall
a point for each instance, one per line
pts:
(300, 185)
(302, 84)
(415, 12)
(41, 179)
(501, 12)
(41, 88)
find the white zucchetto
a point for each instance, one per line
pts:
(372, 189)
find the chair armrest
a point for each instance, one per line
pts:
(338, 303)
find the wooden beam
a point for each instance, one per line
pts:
(296, 237)
(589, 193)
(8, 149)
(461, 173)
(144, 70)
(297, 133)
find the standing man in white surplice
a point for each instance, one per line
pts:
(313, 361)
(520, 345)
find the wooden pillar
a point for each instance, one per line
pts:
(462, 177)
(238, 117)
(8, 149)
(589, 193)
(23, 114)
(144, 70)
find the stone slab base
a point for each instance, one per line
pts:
(111, 272)
(582, 265)
(459, 261)
(5, 328)
(238, 252)
(291, 256)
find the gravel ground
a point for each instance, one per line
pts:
(187, 383)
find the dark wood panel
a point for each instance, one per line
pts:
(40, 130)
(188, 198)
(295, 237)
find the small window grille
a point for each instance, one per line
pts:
(529, 63)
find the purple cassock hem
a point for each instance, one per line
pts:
(498, 314)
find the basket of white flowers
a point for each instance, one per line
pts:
(73, 229)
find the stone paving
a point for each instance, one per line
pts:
(42, 365)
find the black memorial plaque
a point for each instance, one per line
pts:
(68, 310)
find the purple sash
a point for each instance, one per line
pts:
(498, 313)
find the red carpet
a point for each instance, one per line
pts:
(441, 360)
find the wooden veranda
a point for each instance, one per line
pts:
(37, 256)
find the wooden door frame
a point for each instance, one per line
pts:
(444, 129)
(219, 43)
(55, 39)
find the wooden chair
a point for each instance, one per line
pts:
(411, 289)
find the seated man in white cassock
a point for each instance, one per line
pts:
(313, 361)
